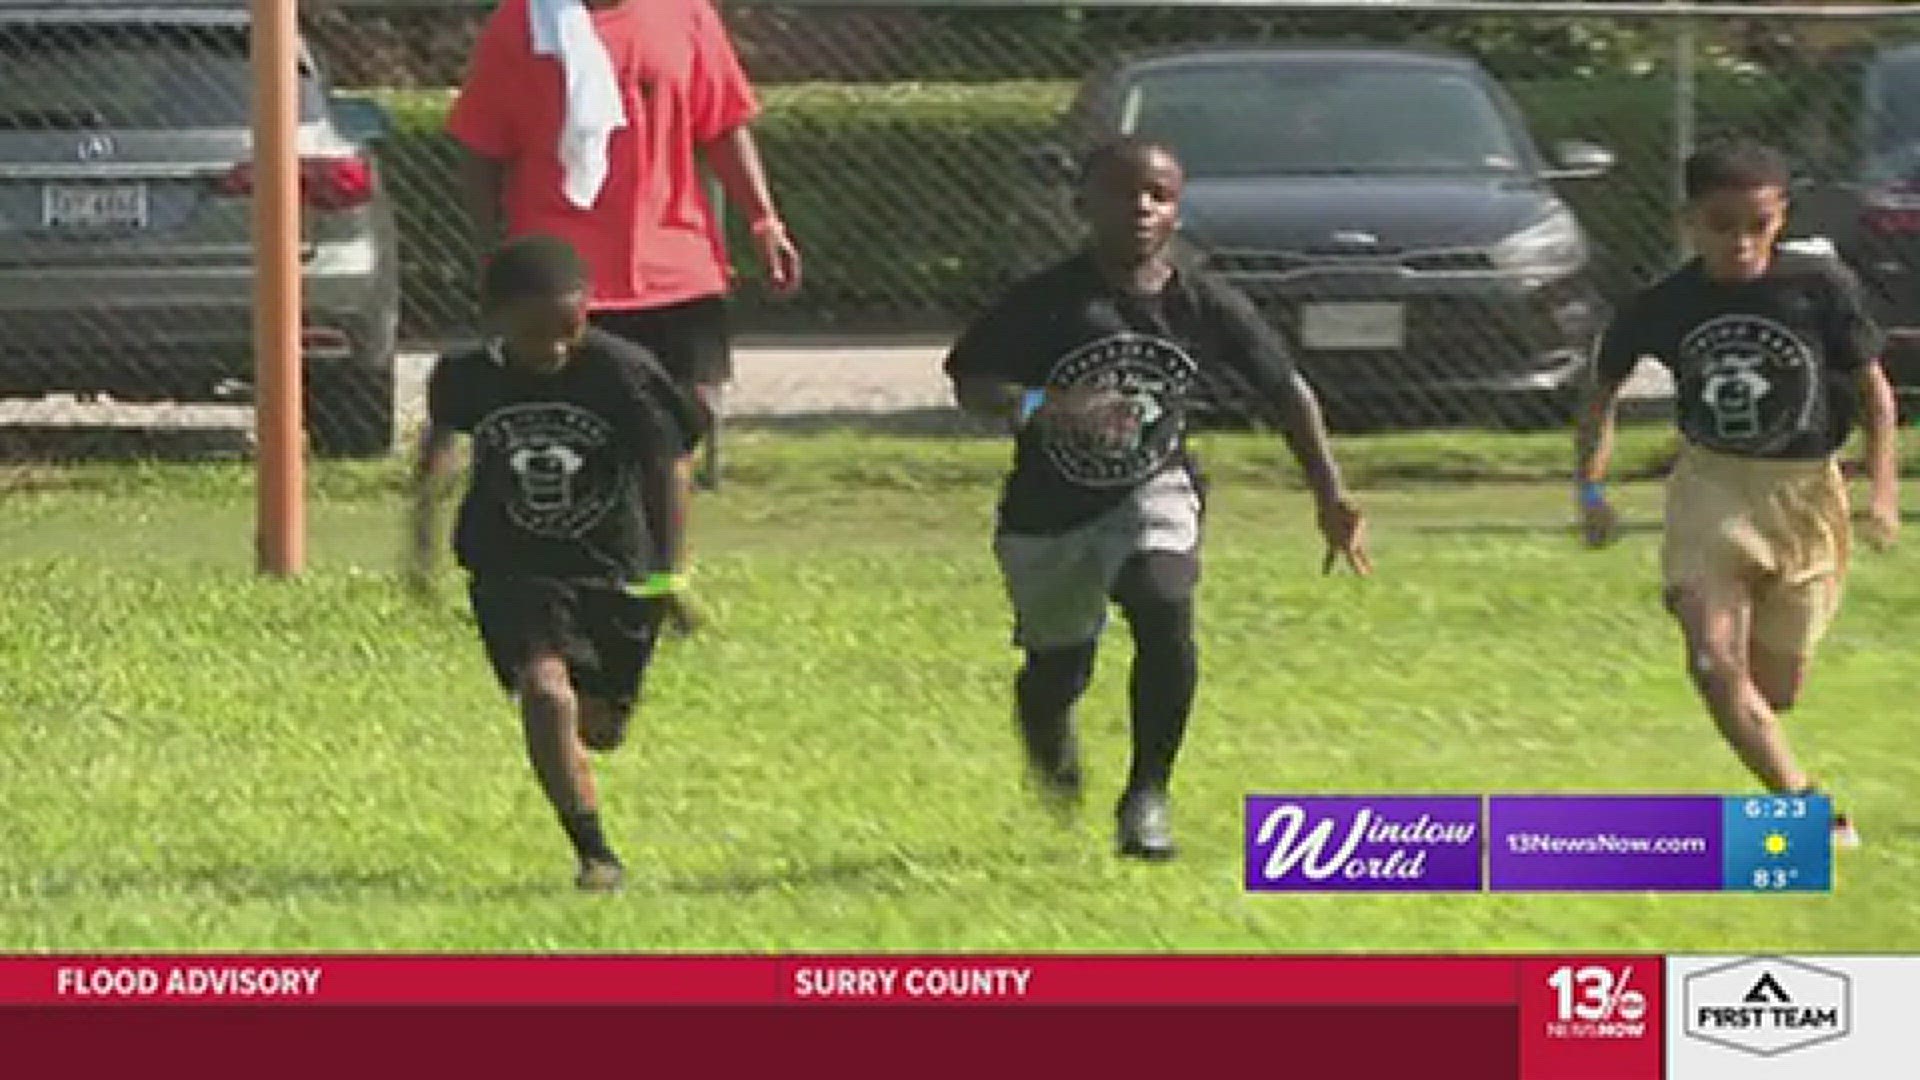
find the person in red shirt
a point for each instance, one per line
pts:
(650, 237)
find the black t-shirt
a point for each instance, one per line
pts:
(1067, 326)
(559, 460)
(1760, 369)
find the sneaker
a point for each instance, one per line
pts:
(1845, 836)
(1146, 826)
(600, 876)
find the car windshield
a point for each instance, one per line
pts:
(1894, 103)
(63, 77)
(1261, 119)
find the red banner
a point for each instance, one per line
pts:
(870, 980)
(1486, 1017)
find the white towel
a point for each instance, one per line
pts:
(564, 28)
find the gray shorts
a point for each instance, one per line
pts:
(1060, 585)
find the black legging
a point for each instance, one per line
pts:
(1155, 593)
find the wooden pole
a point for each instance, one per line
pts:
(281, 511)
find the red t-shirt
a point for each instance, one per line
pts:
(651, 237)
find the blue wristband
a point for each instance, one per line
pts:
(1030, 403)
(1592, 494)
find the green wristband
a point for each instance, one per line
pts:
(659, 585)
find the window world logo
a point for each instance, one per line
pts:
(1363, 844)
(1768, 1007)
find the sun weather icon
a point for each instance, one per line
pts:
(1777, 843)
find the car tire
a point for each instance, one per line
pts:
(350, 413)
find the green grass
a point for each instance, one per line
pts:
(195, 758)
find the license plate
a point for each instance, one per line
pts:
(94, 206)
(1353, 326)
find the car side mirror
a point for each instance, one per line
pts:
(361, 119)
(1576, 160)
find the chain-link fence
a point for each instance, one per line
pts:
(126, 261)
(1436, 204)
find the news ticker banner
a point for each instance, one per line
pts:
(1621, 1017)
(1494, 1017)
(1539, 843)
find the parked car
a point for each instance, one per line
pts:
(126, 259)
(1858, 156)
(1387, 208)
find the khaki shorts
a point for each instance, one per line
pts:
(1777, 531)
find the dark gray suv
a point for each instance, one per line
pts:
(126, 261)
(1389, 211)
(1858, 154)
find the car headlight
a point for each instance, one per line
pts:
(1553, 243)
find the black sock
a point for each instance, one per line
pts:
(589, 842)
(1155, 591)
(1048, 686)
(1166, 673)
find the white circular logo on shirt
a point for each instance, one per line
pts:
(550, 466)
(1754, 382)
(1152, 376)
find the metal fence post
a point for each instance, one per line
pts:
(1685, 104)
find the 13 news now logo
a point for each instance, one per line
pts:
(1592, 1017)
(1595, 1001)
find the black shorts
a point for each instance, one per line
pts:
(692, 340)
(606, 634)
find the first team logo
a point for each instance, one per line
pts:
(1755, 378)
(1768, 1006)
(558, 482)
(1151, 375)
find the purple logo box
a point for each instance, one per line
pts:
(1604, 843)
(1363, 844)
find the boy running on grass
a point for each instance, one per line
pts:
(1095, 362)
(572, 526)
(1772, 354)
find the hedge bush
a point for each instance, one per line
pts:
(914, 201)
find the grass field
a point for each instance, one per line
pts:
(197, 759)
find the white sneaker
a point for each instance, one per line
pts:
(1845, 836)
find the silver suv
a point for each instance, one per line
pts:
(126, 261)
